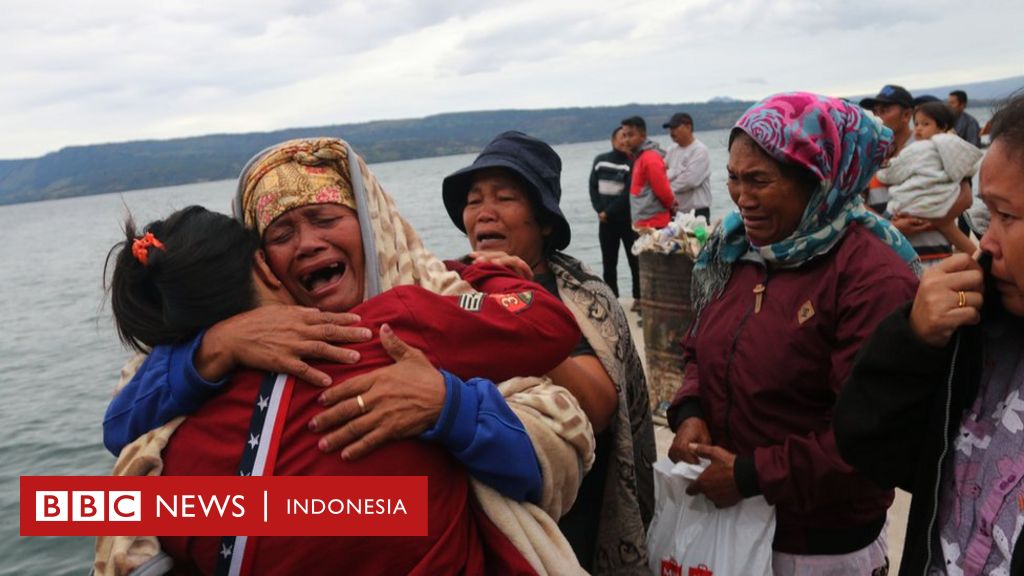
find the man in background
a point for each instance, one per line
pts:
(689, 167)
(651, 201)
(966, 125)
(894, 106)
(609, 195)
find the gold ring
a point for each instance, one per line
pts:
(961, 299)
(362, 405)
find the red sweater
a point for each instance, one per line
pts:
(767, 382)
(650, 188)
(486, 343)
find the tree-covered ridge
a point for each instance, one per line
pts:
(101, 168)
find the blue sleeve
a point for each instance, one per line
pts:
(481, 431)
(166, 386)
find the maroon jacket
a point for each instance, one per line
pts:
(766, 383)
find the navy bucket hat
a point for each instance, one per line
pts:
(530, 159)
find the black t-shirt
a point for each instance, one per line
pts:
(548, 282)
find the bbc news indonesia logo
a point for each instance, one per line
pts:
(88, 506)
(219, 505)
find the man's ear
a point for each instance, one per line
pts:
(263, 273)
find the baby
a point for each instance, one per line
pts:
(924, 179)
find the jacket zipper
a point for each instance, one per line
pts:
(942, 457)
(759, 290)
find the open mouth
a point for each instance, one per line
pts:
(753, 221)
(486, 238)
(322, 277)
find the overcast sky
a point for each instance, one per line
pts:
(90, 71)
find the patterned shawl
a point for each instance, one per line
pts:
(628, 501)
(562, 438)
(843, 148)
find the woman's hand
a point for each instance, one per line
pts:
(950, 296)
(280, 339)
(718, 482)
(513, 263)
(691, 432)
(390, 403)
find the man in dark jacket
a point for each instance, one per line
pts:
(966, 125)
(935, 402)
(609, 195)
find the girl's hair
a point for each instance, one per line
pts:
(940, 112)
(199, 274)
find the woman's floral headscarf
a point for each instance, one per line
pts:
(327, 171)
(843, 148)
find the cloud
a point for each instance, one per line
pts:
(104, 70)
(531, 36)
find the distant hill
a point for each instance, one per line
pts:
(101, 168)
(991, 90)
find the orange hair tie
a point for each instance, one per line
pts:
(140, 247)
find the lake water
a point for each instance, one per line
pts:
(59, 356)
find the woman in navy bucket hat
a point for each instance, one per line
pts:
(530, 159)
(507, 203)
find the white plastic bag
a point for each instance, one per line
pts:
(688, 536)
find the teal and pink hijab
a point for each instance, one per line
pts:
(838, 143)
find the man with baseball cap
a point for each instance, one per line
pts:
(689, 167)
(894, 106)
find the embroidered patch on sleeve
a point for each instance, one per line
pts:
(806, 312)
(471, 302)
(514, 302)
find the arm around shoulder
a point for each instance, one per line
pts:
(166, 385)
(481, 431)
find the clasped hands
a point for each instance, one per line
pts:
(717, 482)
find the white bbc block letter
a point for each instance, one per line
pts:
(88, 506)
(51, 506)
(124, 506)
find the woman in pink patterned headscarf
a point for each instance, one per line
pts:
(786, 290)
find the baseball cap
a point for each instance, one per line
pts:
(890, 94)
(677, 119)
